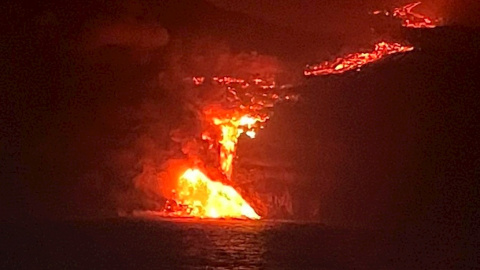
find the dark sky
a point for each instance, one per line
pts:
(329, 14)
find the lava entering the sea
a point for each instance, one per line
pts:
(355, 61)
(199, 196)
(205, 188)
(245, 109)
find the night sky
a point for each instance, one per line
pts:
(91, 92)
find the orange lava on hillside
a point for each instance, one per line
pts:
(410, 18)
(355, 61)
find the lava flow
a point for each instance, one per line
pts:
(231, 128)
(355, 61)
(202, 197)
(244, 110)
(410, 18)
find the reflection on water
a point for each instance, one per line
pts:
(221, 244)
(155, 243)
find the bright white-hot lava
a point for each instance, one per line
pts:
(211, 199)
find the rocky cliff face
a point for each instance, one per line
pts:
(270, 184)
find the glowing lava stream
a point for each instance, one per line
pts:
(247, 107)
(199, 196)
(356, 60)
(409, 18)
(412, 19)
(207, 198)
(231, 130)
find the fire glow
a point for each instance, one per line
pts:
(355, 61)
(244, 111)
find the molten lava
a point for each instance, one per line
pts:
(246, 107)
(355, 61)
(410, 18)
(199, 196)
(231, 129)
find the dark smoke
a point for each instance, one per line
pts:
(76, 77)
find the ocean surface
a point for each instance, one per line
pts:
(157, 243)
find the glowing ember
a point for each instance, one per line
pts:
(409, 18)
(198, 80)
(199, 196)
(356, 60)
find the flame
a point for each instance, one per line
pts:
(199, 196)
(409, 18)
(355, 61)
